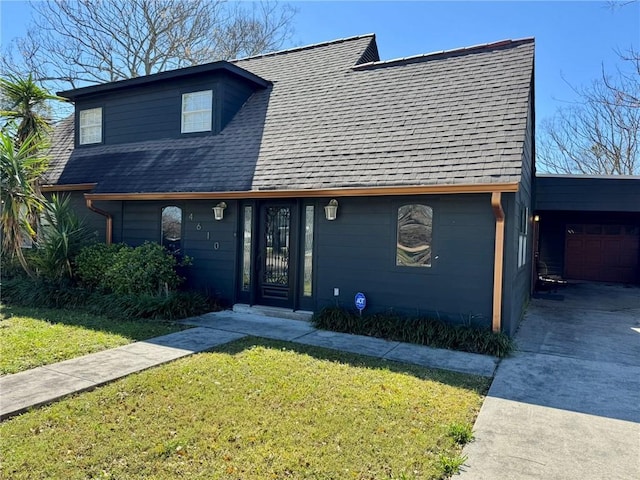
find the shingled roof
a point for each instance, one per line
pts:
(335, 117)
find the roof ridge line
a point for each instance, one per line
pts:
(421, 56)
(305, 47)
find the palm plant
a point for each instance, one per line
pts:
(20, 167)
(24, 107)
(62, 236)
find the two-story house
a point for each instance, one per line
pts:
(301, 177)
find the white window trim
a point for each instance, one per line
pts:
(83, 126)
(184, 127)
(523, 232)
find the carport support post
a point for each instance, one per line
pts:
(496, 205)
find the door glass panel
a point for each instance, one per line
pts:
(573, 229)
(246, 249)
(308, 251)
(594, 229)
(276, 267)
(612, 229)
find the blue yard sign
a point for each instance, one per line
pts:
(361, 301)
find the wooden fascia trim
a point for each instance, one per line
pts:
(77, 187)
(109, 220)
(311, 193)
(498, 261)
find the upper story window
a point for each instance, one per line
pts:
(196, 111)
(415, 228)
(90, 126)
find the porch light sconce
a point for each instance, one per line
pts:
(331, 210)
(536, 218)
(218, 210)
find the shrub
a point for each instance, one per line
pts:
(26, 292)
(423, 331)
(93, 261)
(145, 270)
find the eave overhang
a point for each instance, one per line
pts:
(76, 187)
(220, 66)
(314, 193)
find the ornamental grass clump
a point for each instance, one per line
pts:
(420, 330)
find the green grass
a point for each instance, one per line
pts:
(31, 337)
(253, 409)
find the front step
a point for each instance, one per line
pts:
(276, 312)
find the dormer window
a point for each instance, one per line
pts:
(90, 126)
(196, 111)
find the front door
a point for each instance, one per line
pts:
(276, 254)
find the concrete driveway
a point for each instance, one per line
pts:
(567, 404)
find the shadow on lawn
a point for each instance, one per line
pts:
(134, 329)
(477, 383)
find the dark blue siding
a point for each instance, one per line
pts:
(357, 253)
(153, 112)
(517, 280)
(209, 243)
(610, 194)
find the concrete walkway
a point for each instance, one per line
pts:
(42, 385)
(567, 405)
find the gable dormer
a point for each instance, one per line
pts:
(192, 101)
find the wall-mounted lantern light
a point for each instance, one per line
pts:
(331, 210)
(218, 210)
(536, 218)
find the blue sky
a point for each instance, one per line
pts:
(574, 40)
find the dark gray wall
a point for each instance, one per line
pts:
(210, 243)
(357, 252)
(516, 280)
(152, 112)
(610, 194)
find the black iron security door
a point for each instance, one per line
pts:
(276, 256)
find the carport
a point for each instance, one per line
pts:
(588, 227)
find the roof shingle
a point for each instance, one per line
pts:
(450, 118)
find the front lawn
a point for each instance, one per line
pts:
(253, 409)
(31, 337)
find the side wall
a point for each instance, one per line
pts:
(357, 252)
(518, 278)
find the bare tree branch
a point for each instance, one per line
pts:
(599, 135)
(74, 43)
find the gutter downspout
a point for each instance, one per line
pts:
(109, 232)
(496, 205)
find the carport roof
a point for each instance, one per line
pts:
(595, 193)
